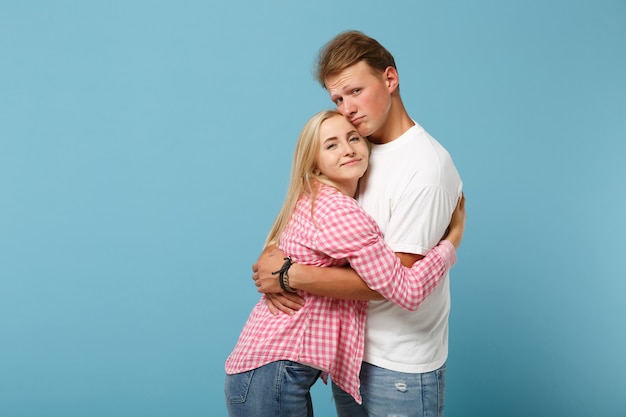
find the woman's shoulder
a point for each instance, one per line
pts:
(341, 223)
(332, 199)
(332, 207)
(329, 204)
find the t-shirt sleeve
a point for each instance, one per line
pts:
(419, 218)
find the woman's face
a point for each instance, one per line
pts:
(343, 154)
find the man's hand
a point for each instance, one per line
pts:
(277, 300)
(286, 302)
(271, 260)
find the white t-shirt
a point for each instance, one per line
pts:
(411, 189)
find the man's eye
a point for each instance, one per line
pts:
(356, 91)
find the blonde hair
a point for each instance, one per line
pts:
(349, 48)
(304, 172)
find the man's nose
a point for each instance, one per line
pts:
(348, 107)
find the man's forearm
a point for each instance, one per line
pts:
(335, 282)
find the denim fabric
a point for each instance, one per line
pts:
(278, 389)
(394, 394)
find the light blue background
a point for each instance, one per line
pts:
(145, 148)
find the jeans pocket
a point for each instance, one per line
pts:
(237, 386)
(300, 375)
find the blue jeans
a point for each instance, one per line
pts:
(394, 394)
(278, 389)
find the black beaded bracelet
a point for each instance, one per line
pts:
(283, 277)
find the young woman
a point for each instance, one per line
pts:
(279, 357)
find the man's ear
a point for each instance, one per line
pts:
(392, 79)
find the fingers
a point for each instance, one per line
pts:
(255, 273)
(270, 306)
(292, 300)
(280, 302)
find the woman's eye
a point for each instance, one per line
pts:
(331, 146)
(355, 139)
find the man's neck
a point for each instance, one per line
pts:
(395, 126)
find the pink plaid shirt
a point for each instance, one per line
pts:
(327, 333)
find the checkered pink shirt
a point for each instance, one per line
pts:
(327, 333)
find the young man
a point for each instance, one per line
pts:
(411, 190)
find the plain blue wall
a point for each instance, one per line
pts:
(145, 148)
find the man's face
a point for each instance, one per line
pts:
(362, 95)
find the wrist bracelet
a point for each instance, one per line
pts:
(284, 283)
(283, 276)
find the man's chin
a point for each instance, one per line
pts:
(364, 130)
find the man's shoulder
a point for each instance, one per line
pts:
(421, 138)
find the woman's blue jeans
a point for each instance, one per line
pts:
(278, 389)
(388, 393)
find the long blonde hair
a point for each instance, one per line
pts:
(304, 172)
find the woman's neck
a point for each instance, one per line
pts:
(348, 188)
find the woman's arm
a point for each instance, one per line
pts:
(349, 233)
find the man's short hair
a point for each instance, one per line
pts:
(349, 48)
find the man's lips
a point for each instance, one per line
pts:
(357, 120)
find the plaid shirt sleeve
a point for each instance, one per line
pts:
(347, 232)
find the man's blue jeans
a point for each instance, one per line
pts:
(278, 389)
(388, 393)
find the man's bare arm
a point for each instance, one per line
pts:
(342, 283)
(335, 282)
